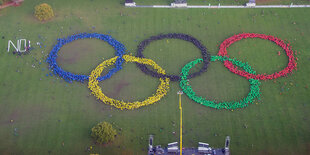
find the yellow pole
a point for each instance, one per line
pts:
(180, 106)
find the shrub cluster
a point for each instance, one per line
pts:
(43, 12)
(103, 132)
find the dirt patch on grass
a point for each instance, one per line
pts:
(127, 152)
(13, 116)
(71, 53)
(308, 148)
(118, 88)
(81, 56)
(70, 60)
(24, 114)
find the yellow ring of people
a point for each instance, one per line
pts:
(96, 90)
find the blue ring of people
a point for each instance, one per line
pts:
(119, 48)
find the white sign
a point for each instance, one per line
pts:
(19, 45)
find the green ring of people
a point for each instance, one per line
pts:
(230, 105)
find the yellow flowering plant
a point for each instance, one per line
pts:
(43, 12)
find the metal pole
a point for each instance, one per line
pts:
(180, 107)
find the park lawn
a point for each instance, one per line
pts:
(49, 112)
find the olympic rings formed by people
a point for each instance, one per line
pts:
(187, 89)
(286, 47)
(68, 76)
(162, 89)
(185, 37)
(96, 90)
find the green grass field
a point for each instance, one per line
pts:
(47, 111)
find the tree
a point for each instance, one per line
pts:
(3, 1)
(103, 132)
(43, 12)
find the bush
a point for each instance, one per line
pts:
(103, 132)
(43, 12)
(3, 1)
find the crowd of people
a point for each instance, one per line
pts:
(185, 37)
(158, 72)
(68, 76)
(292, 64)
(231, 105)
(96, 90)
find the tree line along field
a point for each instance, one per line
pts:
(52, 116)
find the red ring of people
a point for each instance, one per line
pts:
(286, 47)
